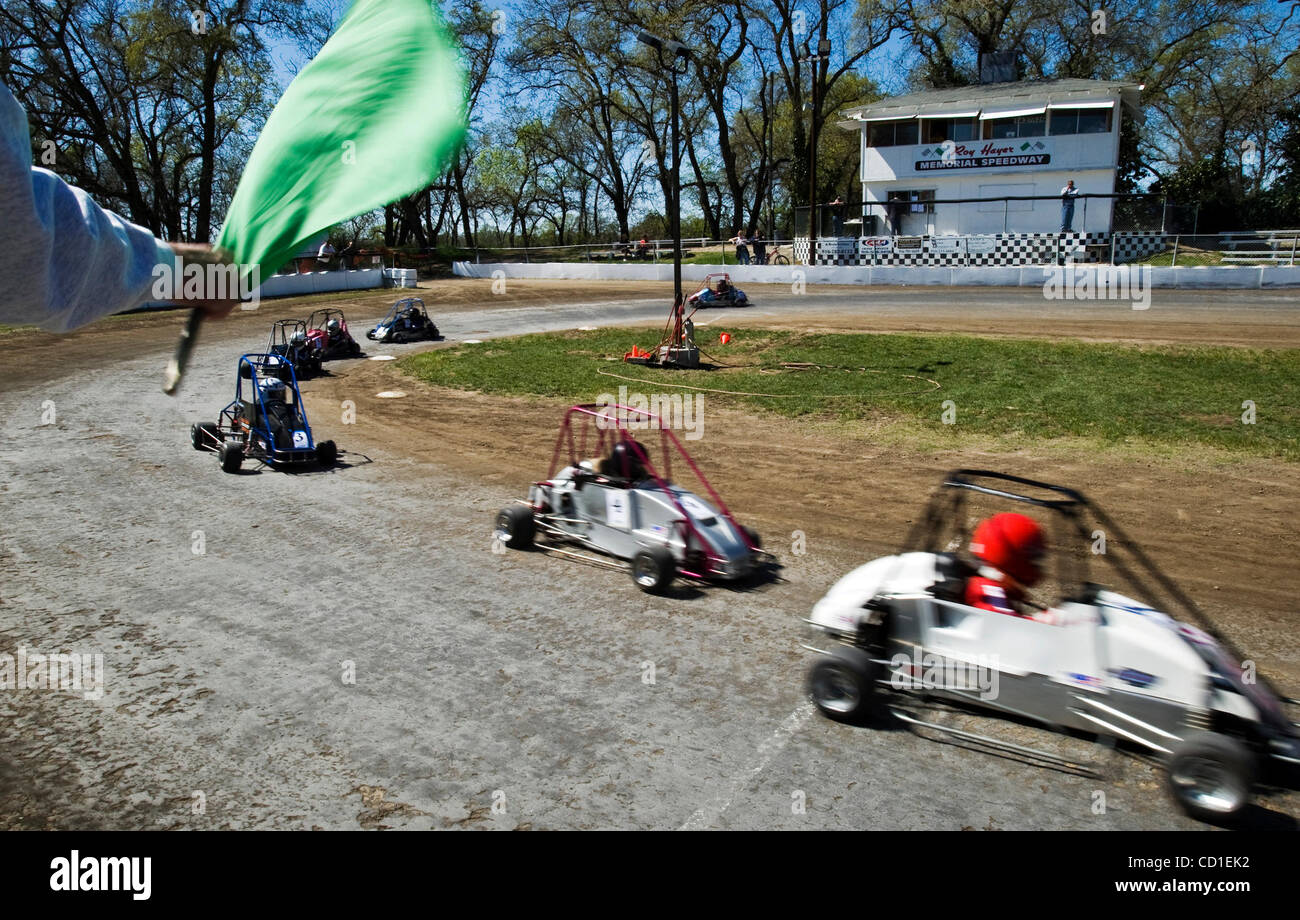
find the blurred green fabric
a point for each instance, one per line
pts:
(375, 116)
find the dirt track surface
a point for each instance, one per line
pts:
(522, 679)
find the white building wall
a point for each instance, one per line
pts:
(1089, 159)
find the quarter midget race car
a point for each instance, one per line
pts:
(265, 422)
(327, 330)
(620, 505)
(405, 322)
(718, 291)
(1093, 661)
(289, 341)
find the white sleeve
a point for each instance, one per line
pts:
(64, 260)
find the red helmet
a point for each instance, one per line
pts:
(1012, 543)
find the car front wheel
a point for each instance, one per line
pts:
(653, 569)
(1211, 776)
(843, 684)
(515, 526)
(232, 457)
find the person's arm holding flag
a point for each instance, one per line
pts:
(64, 260)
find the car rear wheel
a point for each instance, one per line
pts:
(653, 569)
(232, 458)
(753, 536)
(327, 454)
(1211, 776)
(515, 526)
(843, 684)
(204, 435)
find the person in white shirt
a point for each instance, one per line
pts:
(324, 255)
(1068, 194)
(64, 260)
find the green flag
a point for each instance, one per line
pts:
(375, 116)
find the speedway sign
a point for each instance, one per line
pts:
(988, 155)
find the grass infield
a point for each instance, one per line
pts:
(1175, 396)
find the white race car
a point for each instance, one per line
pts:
(621, 505)
(1093, 660)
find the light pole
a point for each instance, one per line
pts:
(823, 54)
(676, 65)
(770, 80)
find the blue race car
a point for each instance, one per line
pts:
(265, 422)
(718, 291)
(405, 322)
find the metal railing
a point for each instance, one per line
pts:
(1247, 248)
(1128, 212)
(1241, 248)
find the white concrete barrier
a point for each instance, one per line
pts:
(321, 282)
(401, 277)
(1222, 277)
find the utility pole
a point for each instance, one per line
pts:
(817, 61)
(676, 65)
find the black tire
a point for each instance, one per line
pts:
(780, 260)
(327, 454)
(653, 569)
(232, 458)
(205, 435)
(1211, 776)
(399, 338)
(515, 527)
(433, 331)
(355, 350)
(843, 684)
(753, 536)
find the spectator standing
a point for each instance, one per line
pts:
(742, 247)
(760, 249)
(837, 216)
(324, 256)
(1068, 194)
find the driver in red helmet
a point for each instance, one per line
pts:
(1011, 546)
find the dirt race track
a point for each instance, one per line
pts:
(344, 649)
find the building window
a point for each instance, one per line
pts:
(997, 129)
(893, 133)
(1080, 121)
(912, 201)
(938, 130)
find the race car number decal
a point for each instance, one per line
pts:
(617, 512)
(300, 439)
